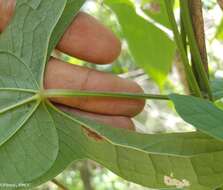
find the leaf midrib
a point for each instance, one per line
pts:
(121, 145)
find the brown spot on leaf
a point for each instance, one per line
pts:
(153, 7)
(92, 134)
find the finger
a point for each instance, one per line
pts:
(6, 11)
(60, 75)
(113, 121)
(85, 39)
(88, 39)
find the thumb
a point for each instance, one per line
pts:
(6, 12)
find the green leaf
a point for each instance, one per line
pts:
(156, 10)
(143, 159)
(217, 88)
(145, 40)
(200, 113)
(219, 32)
(38, 141)
(28, 136)
(29, 142)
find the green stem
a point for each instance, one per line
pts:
(194, 48)
(190, 75)
(182, 32)
(60, 185)
(75, 93)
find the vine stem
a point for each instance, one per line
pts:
(198, 63)
(58, 184)
(220, 2)
(196, 13)
(182, 32)
(190, 75)
(76, 93)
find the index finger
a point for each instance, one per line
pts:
(85, 38)
(89, 40)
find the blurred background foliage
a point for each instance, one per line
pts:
(148, 57)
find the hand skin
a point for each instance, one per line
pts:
(88, 40)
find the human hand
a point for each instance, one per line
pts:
(88, 40)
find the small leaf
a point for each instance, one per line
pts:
(200, 113)
(145, 40)
(217, 88)
(156, 10)
(219, 32)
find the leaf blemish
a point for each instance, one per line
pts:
(171, 181)
(92, 134)
(154, 7)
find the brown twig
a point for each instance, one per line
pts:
(220, 2)
(60, 185)
(198, 25)
(182, 74)
(86, 176)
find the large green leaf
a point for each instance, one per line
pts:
(29, 141)
(145, 40)
(144, 159)
(38, 141)
(28, 137)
